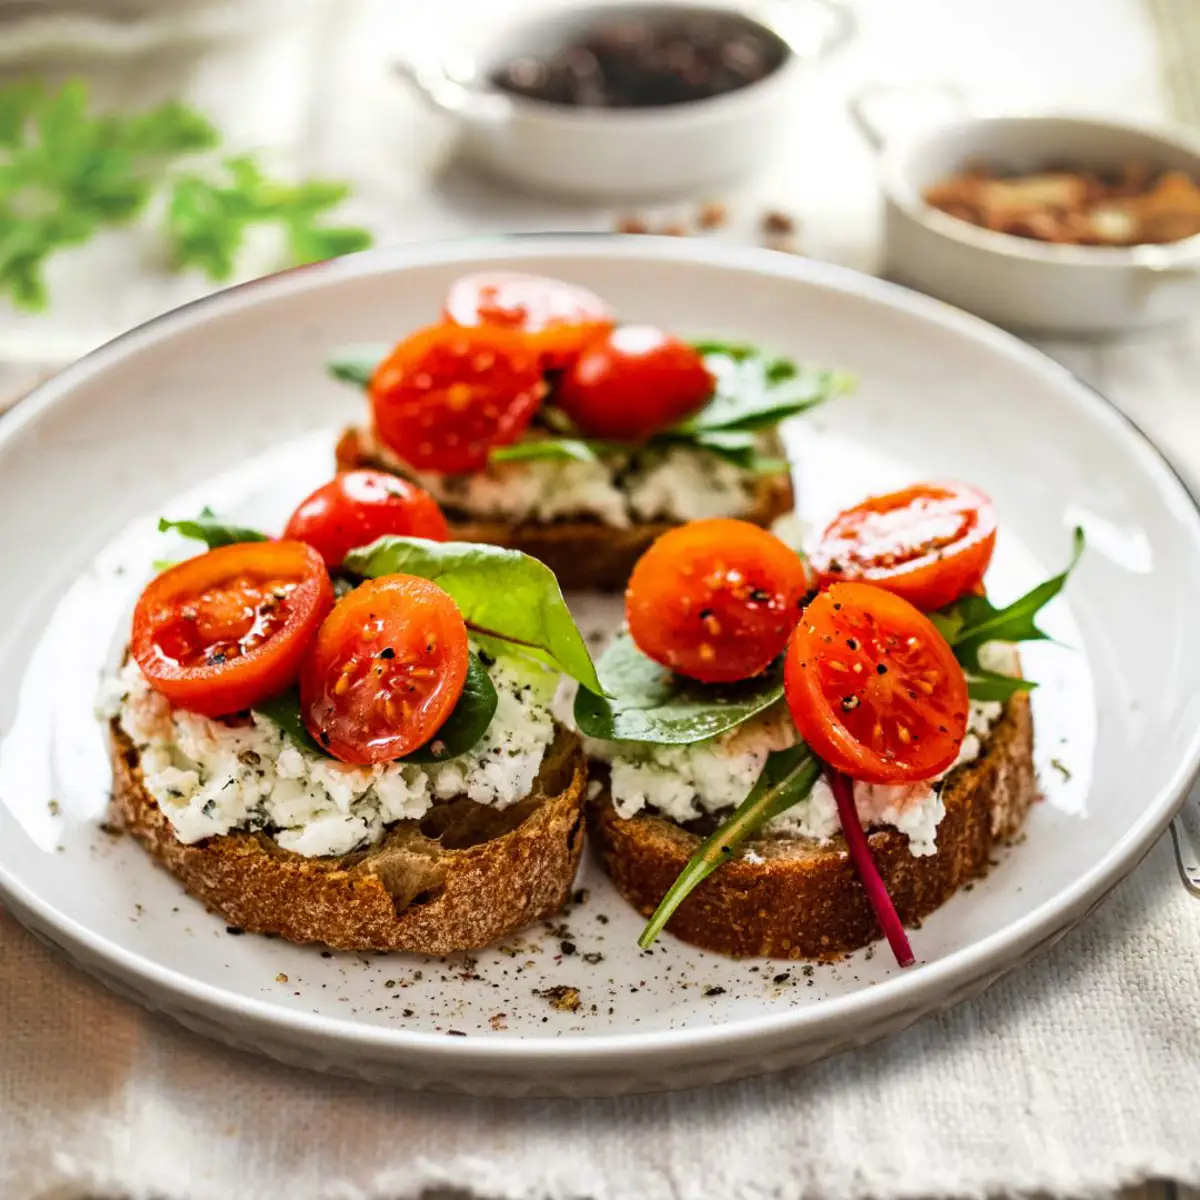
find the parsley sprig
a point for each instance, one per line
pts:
(66, 173)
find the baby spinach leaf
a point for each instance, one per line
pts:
(569, 449)
(461, 731)
(989, 685)
(754, 392)
(467, 722)
(501, 593)
(645, 702)
(356, 364)
(787, 778)
(973, 620)
(212, 532)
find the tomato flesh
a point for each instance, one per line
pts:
(446, 396)
(873, 687)
(359, 506)
(715, 600)
(929, 543)
(558, 318)
(632, 383)
(385, 671)
(218, 633)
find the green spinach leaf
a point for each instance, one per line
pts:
(565, 448)
(787, 778)
(212, 532)
(461, 731)
(501, 593)
(645, 702)
(356, 364)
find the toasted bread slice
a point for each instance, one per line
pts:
(459, 879)
(804, 900)
(584, 554)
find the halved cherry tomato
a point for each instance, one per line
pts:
(445, 396)
(715, 600)
(359, 506)
(873, 687)
(386, 669)
(558, 318)
(220, 632)
(633, 382)
(929, 543)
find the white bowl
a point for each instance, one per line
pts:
(226, 402)
(634, 152)
(1017, 282)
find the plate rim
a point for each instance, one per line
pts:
(996, 953)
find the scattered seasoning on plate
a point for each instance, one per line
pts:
(562, 997)
(643, 61)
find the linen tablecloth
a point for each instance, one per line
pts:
(1077, 1076)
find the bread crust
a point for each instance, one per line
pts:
(432, 887)
(584, 555)
(805, 900)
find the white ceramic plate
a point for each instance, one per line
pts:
(226, 402)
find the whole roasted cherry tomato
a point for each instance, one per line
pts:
(873, 687)
(715, 600)
(220, 632)
(385, 671)
(445, 396)
(633, 382)
(359, 506)
(558, 319)
(929, 543)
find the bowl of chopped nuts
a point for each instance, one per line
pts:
(1068, 225)
(629, 99)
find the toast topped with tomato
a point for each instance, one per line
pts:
(345, 735)
(796, 755)
(539, 422)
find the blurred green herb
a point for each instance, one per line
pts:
(65, 174)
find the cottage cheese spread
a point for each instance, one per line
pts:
(685, 782)
(211, 777)
(676, 484)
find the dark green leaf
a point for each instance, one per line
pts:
(988, 685)
(284, 710)
(501, 593)
(570, 449)
(356, 364)
(462, 730)
(212, 532)
(467, 722)
(787, 778)
(171, 129)
(972, 621)
(756, 393)
(648, 703)
(738, 351)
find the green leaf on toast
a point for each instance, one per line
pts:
(755, 392)
(990, 685)
(563, 449)
(786, 779)
(971, 621)
(207, 528)
(461, 731)
(501, 593)
(644, 702)
(356, 364)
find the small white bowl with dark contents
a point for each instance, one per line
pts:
(1067, 225)
(631, 99)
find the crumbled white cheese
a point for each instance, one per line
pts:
(675, 484)
(211, 777)
(683, 782)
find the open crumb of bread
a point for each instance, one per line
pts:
(585, 554)
(799, 898)
(460, 878)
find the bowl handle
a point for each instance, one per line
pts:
(865, 103)
(442, 93)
